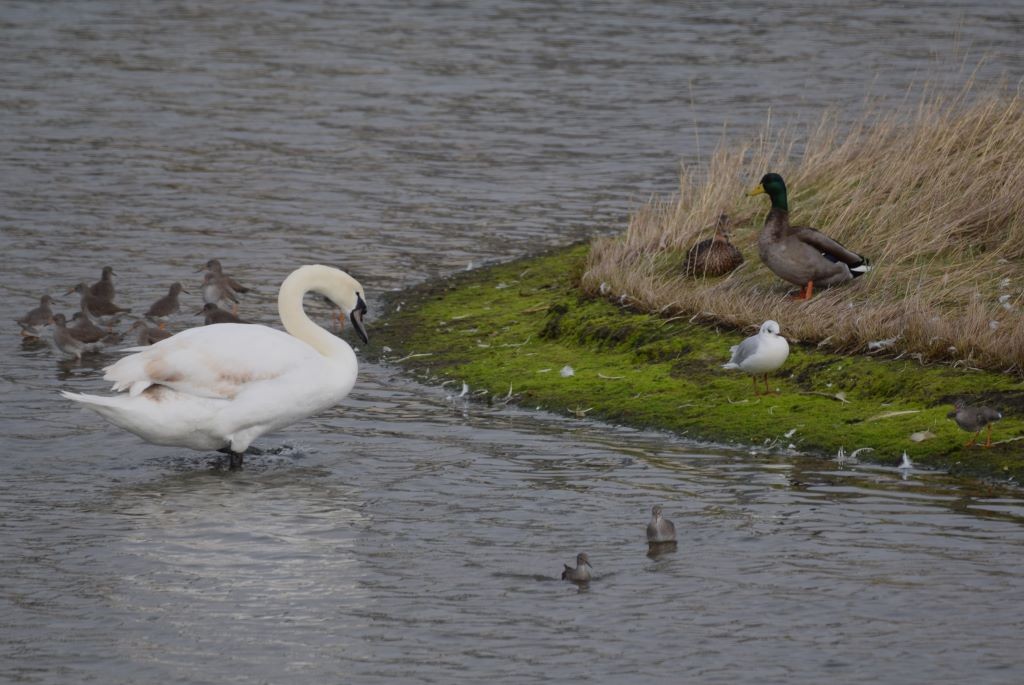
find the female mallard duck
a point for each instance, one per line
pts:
(803, 256)
(222, 386)
(714, 256)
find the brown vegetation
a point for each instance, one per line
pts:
(932, 193)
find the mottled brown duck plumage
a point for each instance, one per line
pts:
(714, 256)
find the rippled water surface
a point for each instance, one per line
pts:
(406, 536)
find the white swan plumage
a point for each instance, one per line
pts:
(222, 386)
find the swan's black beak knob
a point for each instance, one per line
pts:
(357, 317)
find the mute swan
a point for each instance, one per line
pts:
(220, 387)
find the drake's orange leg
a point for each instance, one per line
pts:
(971, 442)
(805, 292)
(988, 436)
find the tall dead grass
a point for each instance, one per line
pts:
(932, 193)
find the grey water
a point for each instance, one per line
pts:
(409, 536)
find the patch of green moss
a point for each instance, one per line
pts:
(519, 324)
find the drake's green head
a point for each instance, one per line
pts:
(775, 188)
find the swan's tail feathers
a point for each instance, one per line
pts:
(730, 365)
(91, 401)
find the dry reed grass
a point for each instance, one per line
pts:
(932, 193)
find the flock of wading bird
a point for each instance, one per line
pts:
(91, 328)
(222, 385)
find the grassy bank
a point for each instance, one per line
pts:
(509, 331)
(933, 194)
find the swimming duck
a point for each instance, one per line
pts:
(104, 288)
(166, 305)
(760, 354)
(660, 529)
(580, 574)
(973, 419)
(220, 387)
(714, 256)
(803, 256)
(37, 318)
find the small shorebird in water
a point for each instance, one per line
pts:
(37, 318)
(580, 574)
(104, 288)
(660, 529)
(94, 306)
(166, 305)
(146, 335)
(214, 314)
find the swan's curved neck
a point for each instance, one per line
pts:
(318, 279)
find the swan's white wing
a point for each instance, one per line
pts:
(217, 361)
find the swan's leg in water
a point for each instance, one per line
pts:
(234, 458)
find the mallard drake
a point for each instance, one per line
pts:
(714, 256)
(973, 419)
(803, 256)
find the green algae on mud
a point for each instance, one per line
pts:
(516, 329)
